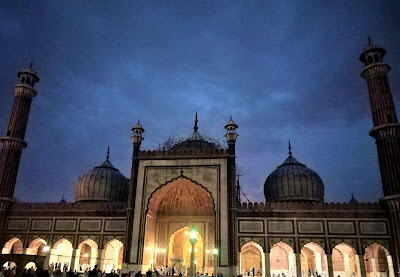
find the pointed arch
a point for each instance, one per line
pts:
(378, 260)
(31, 266)
(192, 198)
(13, 246)
(345, 260)
(112, 255)
(86, 255)
(37, 247)
(313, 259)
(9, 265)
(282, 259)
(61, 254)
(252, 256)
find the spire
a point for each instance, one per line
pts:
(31, 64)
(195, 124)
(369, 40)
(108, 153)
(290, 149)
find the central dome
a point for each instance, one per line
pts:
(293, 181)
(195, 141)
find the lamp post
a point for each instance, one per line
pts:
(192, 240)
(215, 252)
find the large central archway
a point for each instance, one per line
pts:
(172, 209)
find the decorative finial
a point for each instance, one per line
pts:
(31, 64)
(230, 117)
(181, 172)
(290, 149)
(108, 152)
(369, 40)
(352, 196)
(195, 124)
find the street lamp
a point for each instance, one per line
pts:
(192, 240)
(215, 252)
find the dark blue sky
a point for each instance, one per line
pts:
(283, 70)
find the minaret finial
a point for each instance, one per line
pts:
(31, 64)
(290, 149)
(195, 124)
(369, 40)
(108, 153)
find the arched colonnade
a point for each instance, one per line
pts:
(62, 254)
(282, 261)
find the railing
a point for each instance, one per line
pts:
(263, 206)
(94, 206)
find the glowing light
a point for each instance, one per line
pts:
(195, 250)
(186, 233)
(195, 262)
(46, 249)
(208, 251)
(157, 250)
(190, 250)
(215, 251)
(151, 261)
(164, 250)
(86, 255)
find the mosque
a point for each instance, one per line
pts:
(179, 209)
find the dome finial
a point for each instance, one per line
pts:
(290, 149)
(195, 124)
(108, 153)
(31, 64)
(369, 40)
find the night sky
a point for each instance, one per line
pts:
(283, 70)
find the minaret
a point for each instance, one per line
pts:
(386, 132)
(13, 141)
(231, 137)
(137, 139)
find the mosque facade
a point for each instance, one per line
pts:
(190, 187)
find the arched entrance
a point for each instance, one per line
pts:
(61, 255)
(13, 246)
(313, 260)
(10, 265)
(30, 266)
(172, 209)
(37, 247)
(252, 256)
(378, 261)
(180, 249)
(86, 255)
(345, 260)
(282, 259)
(112, 256)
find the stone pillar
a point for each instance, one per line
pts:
(390, 265)
(74, 262)
(99, 258)
(346, 261)
(298, 264)
(360, 266)
(318, 263)
(46, 264)
(330, 265)
(267, 263)
(373, 263)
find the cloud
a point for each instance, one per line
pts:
(282, 70)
